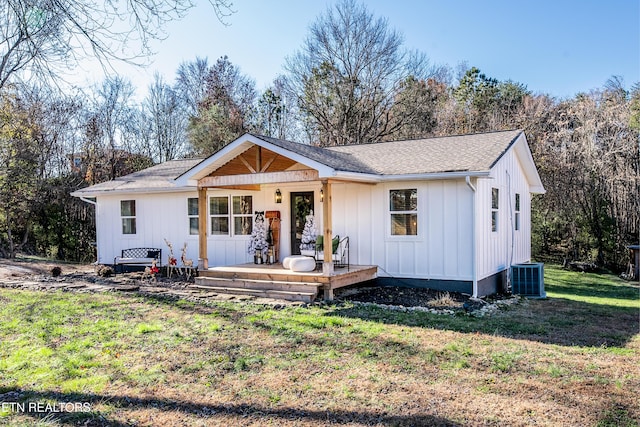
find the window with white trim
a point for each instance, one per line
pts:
(242, 215)
(231, 215)
(403, 209)
(128, 215)
(192, 213)
(495, 204)
(517, 219)
(219, 212)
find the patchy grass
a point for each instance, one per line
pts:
(568, 360)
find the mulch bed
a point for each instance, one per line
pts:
(408, 297)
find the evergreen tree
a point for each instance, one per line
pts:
(309, 232)
(258, 240)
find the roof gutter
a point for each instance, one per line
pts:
(339, 175)
(474, 261)
(365, 177)
(81, 195)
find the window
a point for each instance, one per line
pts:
(192, 213)
(517, 224)
(219, 211)
(128, 214)
(239, 217)
(403, 205)
(242, 216)
(495, 203)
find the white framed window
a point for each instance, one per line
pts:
(242, 215)
(219, 212)
(495, 205)
(192, 213)
(128, 215)
(517, 216)
(403, 211)
(231, 215)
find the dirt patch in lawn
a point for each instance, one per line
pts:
(38, 274)
(28, 267)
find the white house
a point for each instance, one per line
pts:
(450, 213)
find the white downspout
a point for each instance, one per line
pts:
(84, 199)
(511, 230)
(467, 179)
(94, 203)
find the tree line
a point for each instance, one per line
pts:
(351, 81)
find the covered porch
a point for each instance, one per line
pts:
(253, 171)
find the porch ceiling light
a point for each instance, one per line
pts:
(278, 196)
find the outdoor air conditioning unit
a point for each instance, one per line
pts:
(528, 280)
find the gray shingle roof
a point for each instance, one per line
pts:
(461, 153)
(342, 161)
(158, 177)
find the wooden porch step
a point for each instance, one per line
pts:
(262, 293)
(279, 285)
(275, 275)
(282, 284)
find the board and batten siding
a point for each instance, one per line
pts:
(497, 250)
(442, 249)
(163, 216)
(158, 216)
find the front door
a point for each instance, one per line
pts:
(301, 206)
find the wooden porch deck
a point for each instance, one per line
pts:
(273, 281)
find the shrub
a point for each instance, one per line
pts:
(104, 271)
(56, 271)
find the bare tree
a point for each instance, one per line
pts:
(166, 122)
(191, 84)
(348, 74)
(589, 159)
(111, 133)
(41, 37)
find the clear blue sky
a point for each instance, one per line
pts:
(560, 47)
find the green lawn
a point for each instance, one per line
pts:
(591, 288)
(569, 360)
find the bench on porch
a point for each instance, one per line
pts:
(340, 251)
(137, 257)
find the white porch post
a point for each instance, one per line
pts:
(327, 262)
(203, 258)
